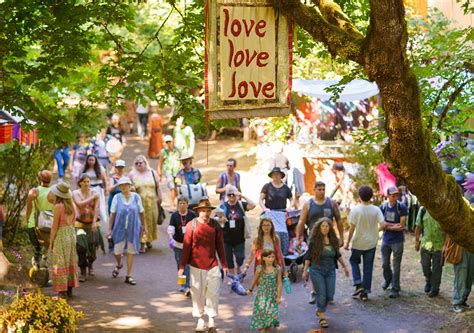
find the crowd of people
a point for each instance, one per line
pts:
(105, 202)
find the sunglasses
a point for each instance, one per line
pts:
(231, 195)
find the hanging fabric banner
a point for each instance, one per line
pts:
(247, 60)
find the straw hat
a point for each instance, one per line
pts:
(62, 190)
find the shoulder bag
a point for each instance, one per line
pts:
(43, 219)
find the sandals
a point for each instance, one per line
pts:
(323, 323)
(129, 280)
(116, 270)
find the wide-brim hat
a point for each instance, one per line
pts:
(278, 170)
(124, 180)
(185, 156)
(204, 204)
(62, 190)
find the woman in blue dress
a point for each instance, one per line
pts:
(127, 225)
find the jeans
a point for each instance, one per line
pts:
(177, 257)
(142, 124)
(432, 268)
(368, 262)
(388, 275)
(61, 155)
(463, 278)
(237, 250)
(36, 245)
(324, 281)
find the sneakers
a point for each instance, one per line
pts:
(385, 284)
(364, 296)
(458, 308)
(433, 293)
(182, 289)
(427, 287)
(187, 292)
(312, 300)
(394, 294)
(211, 324)
(358, 290)
(200, 327)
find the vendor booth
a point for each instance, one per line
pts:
(10, 128)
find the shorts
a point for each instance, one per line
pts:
(120, 247)
(2, 223)
(170, 181)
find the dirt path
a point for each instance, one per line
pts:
(154, 305)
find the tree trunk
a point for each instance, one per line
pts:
(408, 153)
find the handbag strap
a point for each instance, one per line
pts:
(154, 180)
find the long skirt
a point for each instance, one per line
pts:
(64, 260)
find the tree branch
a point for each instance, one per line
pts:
(450, 103)
(340, 37)
(333, 13)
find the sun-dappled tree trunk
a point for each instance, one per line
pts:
(382, 54)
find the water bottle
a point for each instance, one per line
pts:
(287, 285)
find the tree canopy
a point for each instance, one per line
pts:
(67, 63)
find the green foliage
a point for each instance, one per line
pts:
(366, 158)
(48, 57)
(19, 167)
(442, 60)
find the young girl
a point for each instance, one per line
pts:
(321, 263)
(266, 239)
(268, 279)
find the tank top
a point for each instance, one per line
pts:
(85, 214)
(95, 181)
(317, 211)
(42, 202)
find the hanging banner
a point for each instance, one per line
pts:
(247, 60)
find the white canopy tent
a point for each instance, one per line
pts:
(353, 91)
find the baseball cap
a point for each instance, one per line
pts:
(392, 190)
(168, 138)
(120, 163)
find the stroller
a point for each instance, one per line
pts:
(295, 254)
(285, 227)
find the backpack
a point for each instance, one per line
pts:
(385, 205)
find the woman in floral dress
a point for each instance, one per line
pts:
(147, 186)
(268, 278)
(63, 242)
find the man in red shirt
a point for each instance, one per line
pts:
(203, 238)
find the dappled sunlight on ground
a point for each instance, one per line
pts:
(155, 305)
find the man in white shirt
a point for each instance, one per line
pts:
(142, 122)
(364, 219)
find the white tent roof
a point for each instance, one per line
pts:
(9, 117)
(353, 91)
